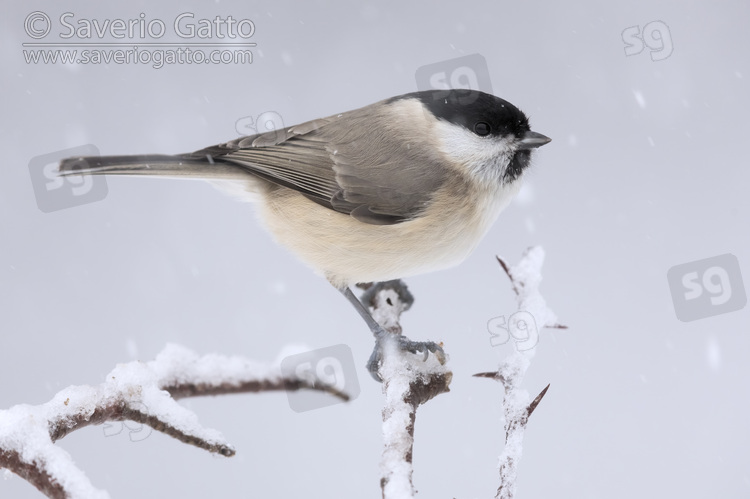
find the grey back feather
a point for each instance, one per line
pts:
(359, 163)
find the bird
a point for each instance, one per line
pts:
(403, 186)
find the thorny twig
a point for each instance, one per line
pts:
(145, 392)
(408, 382)
(525, 278)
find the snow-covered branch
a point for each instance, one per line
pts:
(145, 392)
(408, 382)
(533, 315)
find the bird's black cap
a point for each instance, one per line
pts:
(470, 107)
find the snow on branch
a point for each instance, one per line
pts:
(532, 311)
(408, 381)
(145, 392)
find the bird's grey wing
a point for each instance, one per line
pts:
(278, 156)
(355, 163)
(387, 171)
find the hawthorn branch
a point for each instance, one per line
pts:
(145, 392)
(525, 278)
(408, 382)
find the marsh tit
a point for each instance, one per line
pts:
(403, 186)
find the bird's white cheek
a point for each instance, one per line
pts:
(482, 157)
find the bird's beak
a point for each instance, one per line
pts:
(532, 140)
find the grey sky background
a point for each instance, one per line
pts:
(647, 170)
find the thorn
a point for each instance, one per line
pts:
(493, 375)
(536, 401)
(507, 272)
(503, 265)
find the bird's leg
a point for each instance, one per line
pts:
(381, 334)
(377, 330)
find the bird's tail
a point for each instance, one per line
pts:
(160, 165)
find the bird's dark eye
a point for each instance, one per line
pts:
(482, 128)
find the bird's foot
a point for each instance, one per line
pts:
(404, 345)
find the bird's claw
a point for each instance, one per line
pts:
(405, 345)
